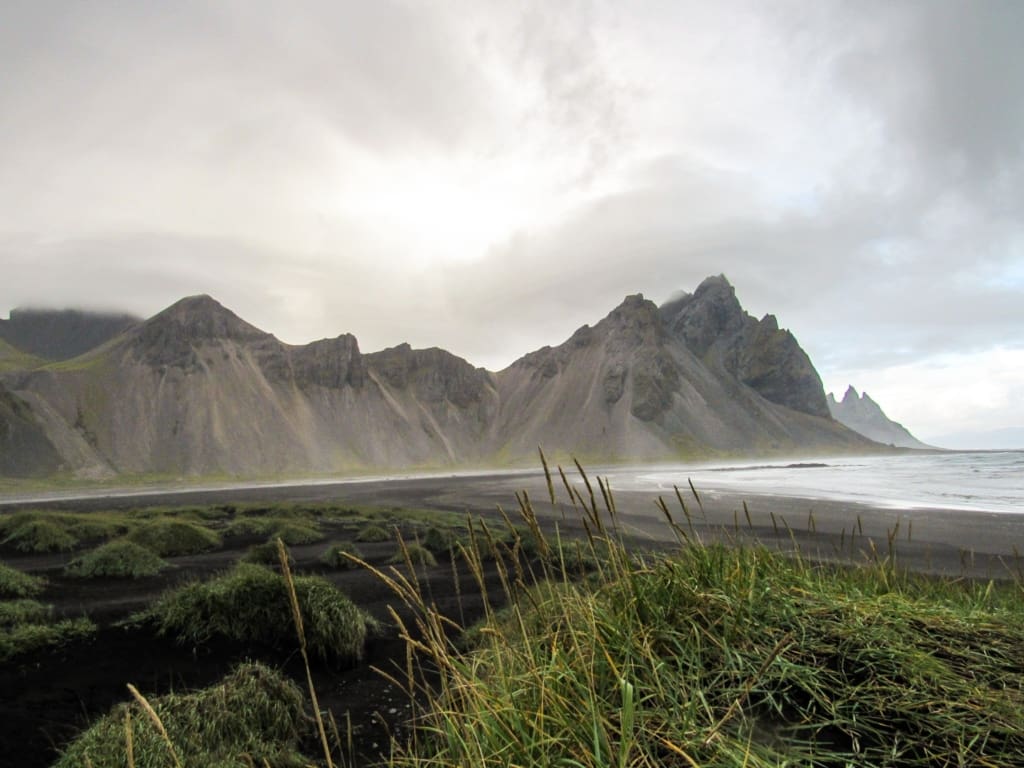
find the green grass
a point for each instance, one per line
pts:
(14, 583)
(720, 656)
(296, 533)
(416, 554)
(121, 559)
(169, 537)
(253, 715)
(334, 556)
(440, 541)
(265, 554)
(41, 535)
(15, 612)
(250, 604)
(373, 533)
(37, 633)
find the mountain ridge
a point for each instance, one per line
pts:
(196, 390)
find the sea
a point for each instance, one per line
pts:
(990, 481)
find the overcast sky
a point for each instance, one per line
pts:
(486, 177)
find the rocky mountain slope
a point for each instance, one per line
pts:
(862, 414)
(195, 390)
(61, 334)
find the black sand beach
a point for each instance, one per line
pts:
(48, 697)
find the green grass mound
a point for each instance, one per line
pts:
(253, 715)
(14, 583)
(168, 538)
(122, 559)
(250, 604)
(334, 556)
(27, 626)
(373, 534)
(96, 527)
(417, 554)
(253, 526)
(293, 534)
(266, 554)
(42, 535)
(440, 541)
(15, 612)
(736, 657)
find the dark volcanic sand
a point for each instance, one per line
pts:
(47, 698)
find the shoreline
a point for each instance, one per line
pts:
(929, 539)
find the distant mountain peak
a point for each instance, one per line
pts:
(862, 414)
(60, 334)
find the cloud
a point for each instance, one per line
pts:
(488, 177)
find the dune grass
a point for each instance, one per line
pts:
(15, 584)
(253, 715)
(170, 537)
(27, 626)
(266, 554)
(42, 535)
(297, 533)
(372, 534)
(250, 604)
(119, 559)
(335, 556)
(414, 554)
(718, 655)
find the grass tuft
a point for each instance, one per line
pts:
(14, 583)
(417, 554)
(37, 634)
(121, 559)
(168, 538)
(253, 715)
(250, 604)
(265, 554)
(293, 534)
(41, 535)
(334, 556)
(372, 533)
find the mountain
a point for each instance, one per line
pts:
(12, 359)
(61, 334)
(25, 450)
(195, 390)
(862, 414)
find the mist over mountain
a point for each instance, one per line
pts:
(862, 414)
(196, 390)
(63, 333)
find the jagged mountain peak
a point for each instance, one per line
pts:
(704, 316)
(862, 414)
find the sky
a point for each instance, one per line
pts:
(489, 176)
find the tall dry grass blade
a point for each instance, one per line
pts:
(700, 504)
(157, 723)
(129, 743)
(282, 556)
(547, 475)
(568, 488)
